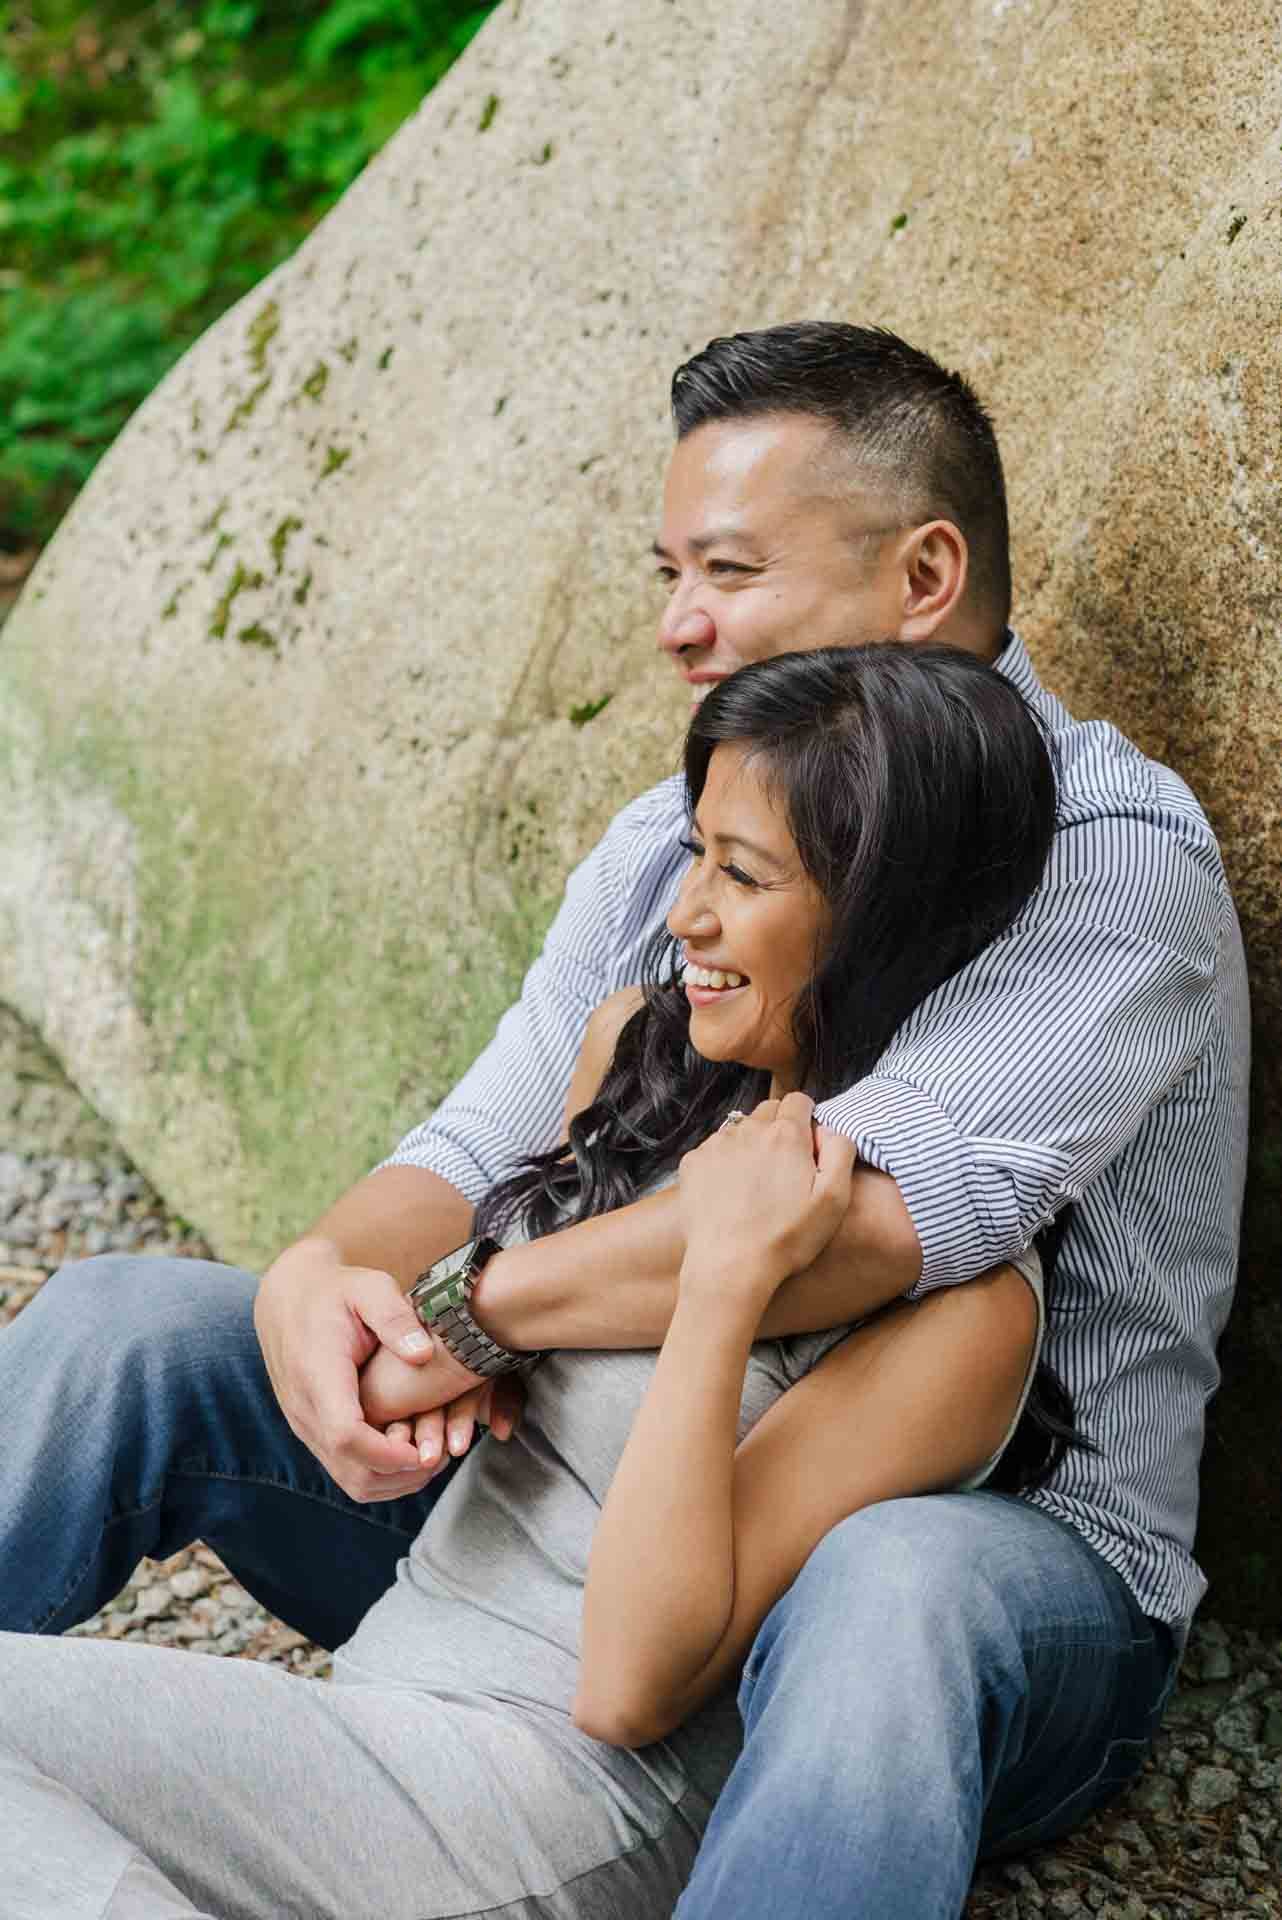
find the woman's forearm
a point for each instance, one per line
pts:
(661, 1579)
(612, 1281)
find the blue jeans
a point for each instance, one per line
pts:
(949, 1678)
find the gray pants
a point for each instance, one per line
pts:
(139, 1783)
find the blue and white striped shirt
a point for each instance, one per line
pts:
(1097, 1052)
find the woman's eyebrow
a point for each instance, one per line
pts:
(737, 840)
(751, 846)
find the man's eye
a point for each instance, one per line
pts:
(727, 566)
(691, 847)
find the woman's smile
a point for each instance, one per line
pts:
(749, 919)
(707, 985)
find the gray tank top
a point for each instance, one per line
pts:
(488, 1603)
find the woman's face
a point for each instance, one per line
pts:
(750, 916)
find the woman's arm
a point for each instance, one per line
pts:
(697, 1540)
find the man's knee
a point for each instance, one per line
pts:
(116, 1304)
(912, 1588)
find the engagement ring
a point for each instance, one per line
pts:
(732, 1119)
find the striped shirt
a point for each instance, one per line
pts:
(1097, 1052)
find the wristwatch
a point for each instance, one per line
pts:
(440, 1298)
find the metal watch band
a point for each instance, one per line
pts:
(440, 1297)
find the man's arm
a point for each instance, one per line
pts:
(1001, 1098)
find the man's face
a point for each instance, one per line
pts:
(761, 552)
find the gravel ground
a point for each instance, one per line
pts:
(1200, 1833)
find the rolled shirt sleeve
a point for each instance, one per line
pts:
(1014, 1084)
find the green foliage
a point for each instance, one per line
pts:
(156, 159)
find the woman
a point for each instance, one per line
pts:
(513, 1728)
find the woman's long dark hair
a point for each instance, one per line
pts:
(919, 790)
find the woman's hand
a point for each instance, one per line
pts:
(407, 1403)
(759, 1200)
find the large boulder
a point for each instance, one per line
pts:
(300, 718)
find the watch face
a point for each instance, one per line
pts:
(458, 1260)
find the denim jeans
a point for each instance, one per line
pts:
(949, 1678)
(135, 1417)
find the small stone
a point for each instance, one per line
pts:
(1219, 1892)
(1216, 1663)
(1211, 1787)
(1154, 1793)
(189, 1631)
(1066, 1904)
(1054, 1873)
(151, 1602)
(1116, 1856)
(1271, 1733)
(189, 1582)
(23, 1230)
(1237, 1728)
(1132, 1835)
(1021, 1877)
(96, 1240)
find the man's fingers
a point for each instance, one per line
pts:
(834, 1167)
(384, 1309)
(363, 1448)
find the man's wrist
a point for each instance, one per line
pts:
(313, 1247)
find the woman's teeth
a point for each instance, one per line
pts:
(711, 977)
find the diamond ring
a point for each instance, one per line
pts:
(732, 1119)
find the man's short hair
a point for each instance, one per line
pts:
(909, 426)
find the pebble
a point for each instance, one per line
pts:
(1238, 1728)
(189, 1582)
(1211, 1787)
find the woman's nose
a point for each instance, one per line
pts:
(692, 916)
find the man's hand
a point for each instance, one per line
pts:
(318, 1322)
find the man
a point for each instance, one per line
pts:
(949, 1675)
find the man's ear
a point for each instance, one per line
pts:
(933, 561)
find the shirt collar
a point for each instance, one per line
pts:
(1013, 662)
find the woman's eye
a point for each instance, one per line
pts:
(743, 879)
(666, 577)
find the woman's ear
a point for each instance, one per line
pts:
(933, 561)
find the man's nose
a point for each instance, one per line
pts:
(684, 625)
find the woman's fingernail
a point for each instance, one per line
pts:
(416, 1342)
(427, 1452)
(458, 1439)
